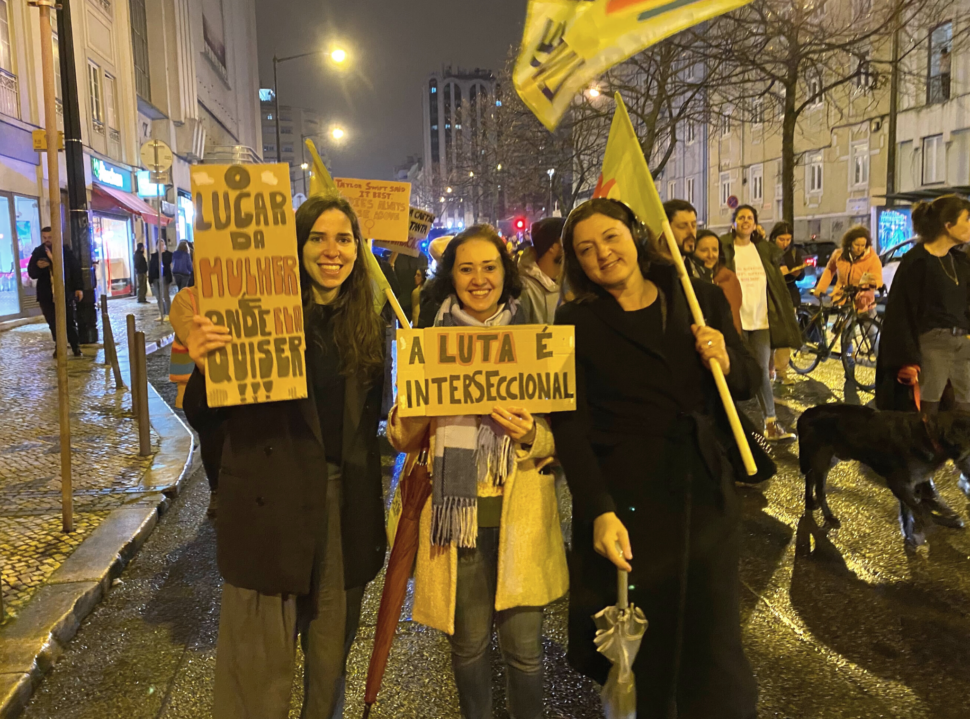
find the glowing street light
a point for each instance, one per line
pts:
(337, 133)
(339, 56)
(448, 190)
(594, 92)
(471, 174)
(499, 168)
(304, 166)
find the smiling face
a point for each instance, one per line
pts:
(707, 251)
(329, 254)
(606, 251)
(783, 241)
(960, 230)
(478, 277)
(744, 223)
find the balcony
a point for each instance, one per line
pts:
(231, 155)
(9, 94)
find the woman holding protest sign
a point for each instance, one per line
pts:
(301, 518)
(647, 457)
(490, 548)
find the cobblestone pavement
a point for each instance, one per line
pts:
(838, 624)
(106, 468)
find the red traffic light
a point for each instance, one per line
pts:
(520, 224)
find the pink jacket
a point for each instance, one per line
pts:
(848, 272)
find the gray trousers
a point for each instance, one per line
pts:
(256, 650)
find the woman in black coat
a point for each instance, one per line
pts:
(301, 516)
(645, 458)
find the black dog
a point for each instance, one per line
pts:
(902, 447)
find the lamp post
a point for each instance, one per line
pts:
(339, 57)
(551, 171)
(304, 166)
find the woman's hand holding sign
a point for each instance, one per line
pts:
(518, 423)
(205, 337)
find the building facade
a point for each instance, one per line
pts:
(297, 124)
(180, 71)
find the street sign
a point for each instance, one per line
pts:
(733, 202)
(40, 140)
(156, 156)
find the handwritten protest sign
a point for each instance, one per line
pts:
(248, 279)
(469, 370)
(381, 207)
(421, 222)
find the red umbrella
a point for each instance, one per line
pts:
(415, 490)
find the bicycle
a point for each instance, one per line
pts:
(859, 334)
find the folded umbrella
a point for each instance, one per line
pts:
(619, 631)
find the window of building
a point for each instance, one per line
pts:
(287, 148)
(815, 96)
(861, 9)
(690, 190)
(756, 183)
(934, 160)
(814, 170)
(110, 95)
(139, 47)
(859, 165)
(690, 71)
(267, 149)
(94, 92)
(725, 187)
(6, 57)
(434, 90)
(671, 189)
(758, 111)
(779, 203)
(691, 132)
(864, 78)
(939, 63)
(57, 60)
(725, 124)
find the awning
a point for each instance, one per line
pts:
(929, 193)
(106, 198)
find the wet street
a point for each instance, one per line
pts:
(839, 623)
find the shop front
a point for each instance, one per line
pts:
(19, 235)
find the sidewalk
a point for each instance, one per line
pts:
(48, 575)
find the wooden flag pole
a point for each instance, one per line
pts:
(719, 379)
(398, 310)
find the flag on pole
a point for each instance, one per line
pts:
(567, 44)
(625, 175)
(321, 183)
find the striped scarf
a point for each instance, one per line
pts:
(467, 449)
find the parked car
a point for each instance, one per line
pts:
(891, 258)
(817, 254)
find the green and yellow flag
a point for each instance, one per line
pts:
(568, 43)
(625, 175)
(321, 183)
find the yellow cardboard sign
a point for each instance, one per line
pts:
(248, 277)
(382, 207)
(470, 370)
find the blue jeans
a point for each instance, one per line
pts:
(759, 344)
(519, 638)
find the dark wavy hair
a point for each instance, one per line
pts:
(781, 228)
(931, 218)
(755, 235)
(358, 331)
(851, 236)
(442, 284)
(576, 279)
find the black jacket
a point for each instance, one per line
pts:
(141, 264)
(899, 341)
(72, 274)
(621, 453)
(273, 488)
(153, 266)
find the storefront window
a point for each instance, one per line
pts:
(9, 295)
(112, 249)
(186, 216)
(27, 218)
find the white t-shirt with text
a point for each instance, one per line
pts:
(754, 287)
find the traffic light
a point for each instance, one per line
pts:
(520, 223)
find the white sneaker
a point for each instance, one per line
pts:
(776, 432)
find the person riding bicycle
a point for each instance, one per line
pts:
(856, 265)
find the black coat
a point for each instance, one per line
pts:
(901, 327)
(166, 266)
(72, 274)
(273, 488)
(141, 264)
(643, 467)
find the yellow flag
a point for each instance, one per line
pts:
(321, 183)
(567, 44)
(625, 176)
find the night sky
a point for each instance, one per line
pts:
(393, 45)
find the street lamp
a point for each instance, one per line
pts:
(551, 171)
(448, 190)
(304, 166)
(337, 133)
(338, 55)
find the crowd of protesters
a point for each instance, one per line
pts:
(300, 516)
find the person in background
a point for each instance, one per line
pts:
(39, 268)
(767, 314)
(791, 263)
(430, 305)
(646, 457)
(300, 530)
(708, 261)
(182, 266)
(141, 273)
(856, 264)
(683, 221)
(420, 276)
(405, 269)
(490, 549)
(161, 280)
(541, 269)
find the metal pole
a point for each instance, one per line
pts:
(144, 427)
(893, 113)
(132, 364)
(110, 348)
(57, 258)
(276, 97)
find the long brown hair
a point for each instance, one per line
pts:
(358, 331)
(576, 279)
(851, 236)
